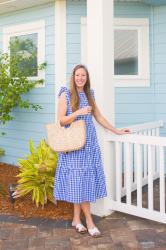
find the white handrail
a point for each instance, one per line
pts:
(146, 126)
(140, 139)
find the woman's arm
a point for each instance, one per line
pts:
(62, 110)
(102, 121)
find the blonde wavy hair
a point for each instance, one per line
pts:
(75, 99)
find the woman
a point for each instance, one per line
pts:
(79, 177)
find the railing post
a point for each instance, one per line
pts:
(102, 207)
(100, 61)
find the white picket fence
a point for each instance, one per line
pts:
(139, 161)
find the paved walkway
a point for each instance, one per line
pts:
(119, 232)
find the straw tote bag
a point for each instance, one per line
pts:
(62, 139)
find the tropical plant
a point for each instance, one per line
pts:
(37, 174)
(2, 152)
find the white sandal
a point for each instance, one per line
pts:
(79, 228)
(94, 232)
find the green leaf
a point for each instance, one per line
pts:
(14, 71)
(36, 175)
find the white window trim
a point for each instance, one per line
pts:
(142, 25)
(25, 29)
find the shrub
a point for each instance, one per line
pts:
(37, 174)
(14, 82)
(2, 152)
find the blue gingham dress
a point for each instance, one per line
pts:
(79, 175)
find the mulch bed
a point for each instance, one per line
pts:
(24, 207)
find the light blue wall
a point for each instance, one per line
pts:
(160, 63)
(31, 124)
(136, 105)
(75, 10)
(133, 105)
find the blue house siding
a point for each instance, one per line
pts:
(75, 10)
(160, 63)
(136, 105)
(133, 105)
(28, 123)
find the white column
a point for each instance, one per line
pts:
(60, 47)
(100, 61)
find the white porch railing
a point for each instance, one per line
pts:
(149, 128)
(139, 160)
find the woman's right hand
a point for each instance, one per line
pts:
(84, 111)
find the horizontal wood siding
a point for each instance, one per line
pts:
(135, 105)
(75, 10)
(28, 123)
(160, 63)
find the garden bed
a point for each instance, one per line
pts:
(24, 207)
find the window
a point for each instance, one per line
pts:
(126, 52)
(29, 41)
(131, 51)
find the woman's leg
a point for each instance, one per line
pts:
(86, 209)
(77, 219)
(92, 229)
(77, 213)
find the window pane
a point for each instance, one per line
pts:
(26, 47)
(125, 52)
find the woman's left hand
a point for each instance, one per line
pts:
(123, 131)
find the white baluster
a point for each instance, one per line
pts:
(150, 179)
(128, 164)
(124, 165)
(149, 132)
(132, 163)
(118, 151)
(135, 169)
(139, 175)
(157, 131)
(153, 132)
(145, 160)
(162, 181)
(153, 154)
(157, 152)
